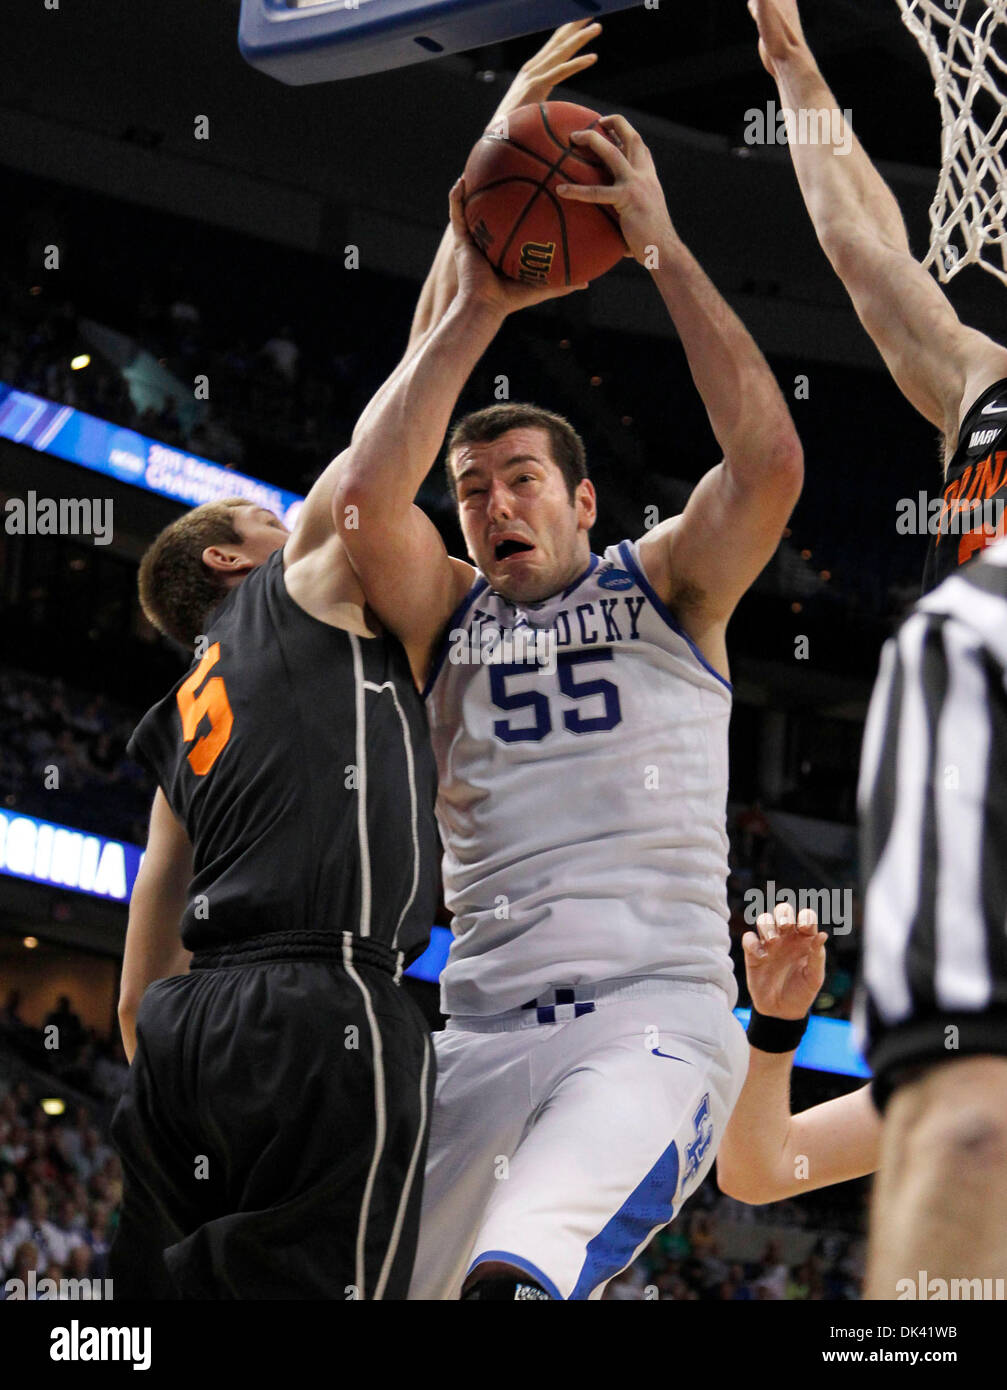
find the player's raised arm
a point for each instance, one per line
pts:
(558, 60)
(736, 515)
(768, 1154)
(154, 947)
(410, 581)
(939, 364)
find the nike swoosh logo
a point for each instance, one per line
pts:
(994, 410)
(658, 1053)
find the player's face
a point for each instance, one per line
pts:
(261, 533)
(519, 524)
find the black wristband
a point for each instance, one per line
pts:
(775, 1034)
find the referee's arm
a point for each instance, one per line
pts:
(154, 948)
(933, 805)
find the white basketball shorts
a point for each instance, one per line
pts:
(561, 1147)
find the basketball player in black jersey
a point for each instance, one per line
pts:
(273, 1129)
(944, 1125)
(954, 376)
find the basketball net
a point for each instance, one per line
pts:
(968, 64)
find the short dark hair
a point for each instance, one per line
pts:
(483, 426)
(178, 591)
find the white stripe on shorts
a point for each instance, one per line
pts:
(380, 1121)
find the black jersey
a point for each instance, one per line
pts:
(297, 757)
(975, 489)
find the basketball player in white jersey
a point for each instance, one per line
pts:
(579, 707)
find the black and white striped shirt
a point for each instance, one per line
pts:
(933, 814)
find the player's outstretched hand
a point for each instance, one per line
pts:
(784, 962)
(478, 282)
(635, 193)
(556, 61)
(780, 33)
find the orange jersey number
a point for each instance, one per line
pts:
(213, 702)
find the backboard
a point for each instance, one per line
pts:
(302, 41)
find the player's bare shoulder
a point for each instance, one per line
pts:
(656, 549)
(322, 581)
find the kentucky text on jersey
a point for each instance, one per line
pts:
(596, 621)
(582, 807)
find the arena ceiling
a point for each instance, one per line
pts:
(692, 62)
(695, 62)
(104, 96)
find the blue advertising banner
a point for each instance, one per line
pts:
(131, 457)
(62, 857)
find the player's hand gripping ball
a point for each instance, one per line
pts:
(520, 223)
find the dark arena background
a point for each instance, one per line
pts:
(170, 215)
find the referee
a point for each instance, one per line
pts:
(932, 1006)
(273, 1129)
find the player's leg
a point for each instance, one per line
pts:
(636, 1097)
(398, 1184)
(159, 1204)
(940, 1196)
(136, 1259)
(289, 1146)
(481, 1109)
(319, 1116)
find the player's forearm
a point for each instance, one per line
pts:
(438, 291)
(845, 195)
(175, 962)
(747, 412)
(401, 432)
(154, 949)
(753, 1161)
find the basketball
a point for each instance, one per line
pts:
(400, 645)
(517, 219)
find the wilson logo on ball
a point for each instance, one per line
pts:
(523, 227)
(535, 261)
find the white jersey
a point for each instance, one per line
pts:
(581, 747)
